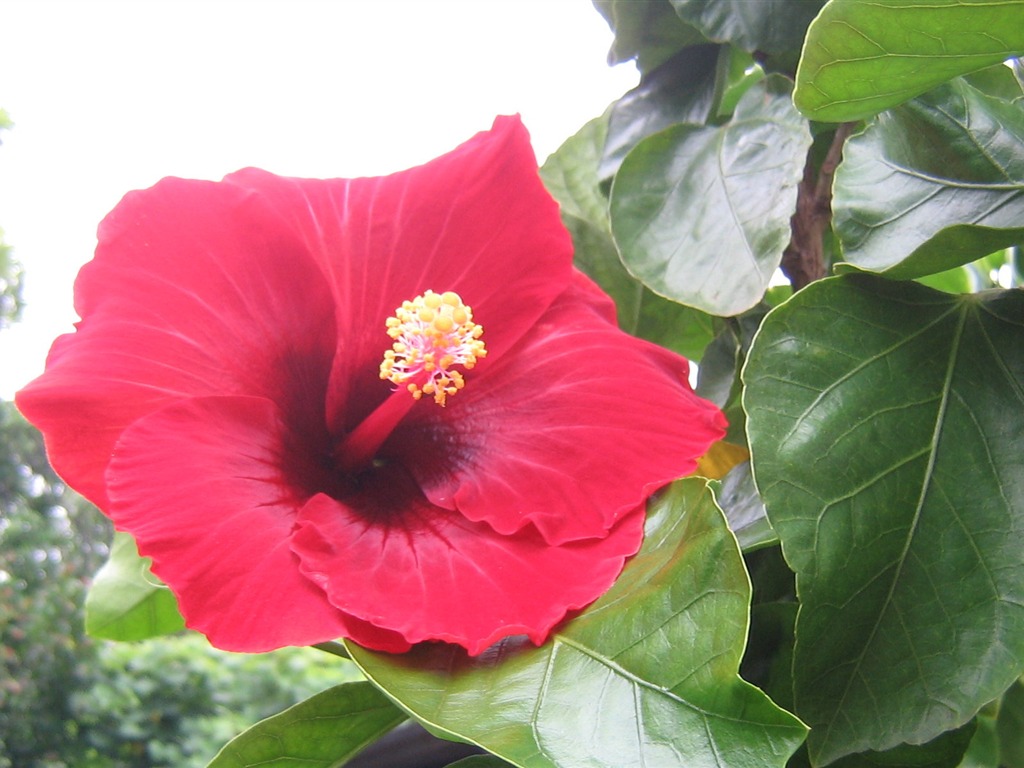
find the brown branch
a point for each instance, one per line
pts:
(803, 260)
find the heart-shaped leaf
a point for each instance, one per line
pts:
(126, 601)
(701, 214)
(885, 441)
(862, 56)
(645, 676)
(323, 731)
(951, 163)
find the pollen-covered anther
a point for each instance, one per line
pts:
(432, 333)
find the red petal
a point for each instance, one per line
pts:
(476, 220)
(570, 430)
(430, 574)
(196, 289)
(208, 488)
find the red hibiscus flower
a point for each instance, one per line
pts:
(301, 467)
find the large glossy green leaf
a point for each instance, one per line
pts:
(126, 601)
(323, 731)
(766, 26)
(646, 676)
(571, 175)
(950, 165)
(772, 628)
(701, 214)
(863, 56)
(885, 422)
(648, 31)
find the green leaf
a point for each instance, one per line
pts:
(480, 761)
(944, 751)
(682, 90)
(323, 731)
(884, 422)
(701, 215)
(863, 56)
(956, 280)
(126, 601)
(718, 378)
(735, 73)
(1004, 80)
(767, 26)
(644, 676)
(744, 509)
(646, 30)
(952, 167)
(768, 661)
(570, 175)
(983, 751)
(684, 330)
(977, 276)
(1010, 726)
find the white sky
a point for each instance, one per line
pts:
(109, 96)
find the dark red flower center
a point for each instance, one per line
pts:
(432, 334)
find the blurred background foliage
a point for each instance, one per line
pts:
(10, 270)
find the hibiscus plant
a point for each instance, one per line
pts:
(443, 423)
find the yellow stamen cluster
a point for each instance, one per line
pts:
(432, 333)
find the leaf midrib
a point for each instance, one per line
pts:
(901, 560)
(647, 684)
